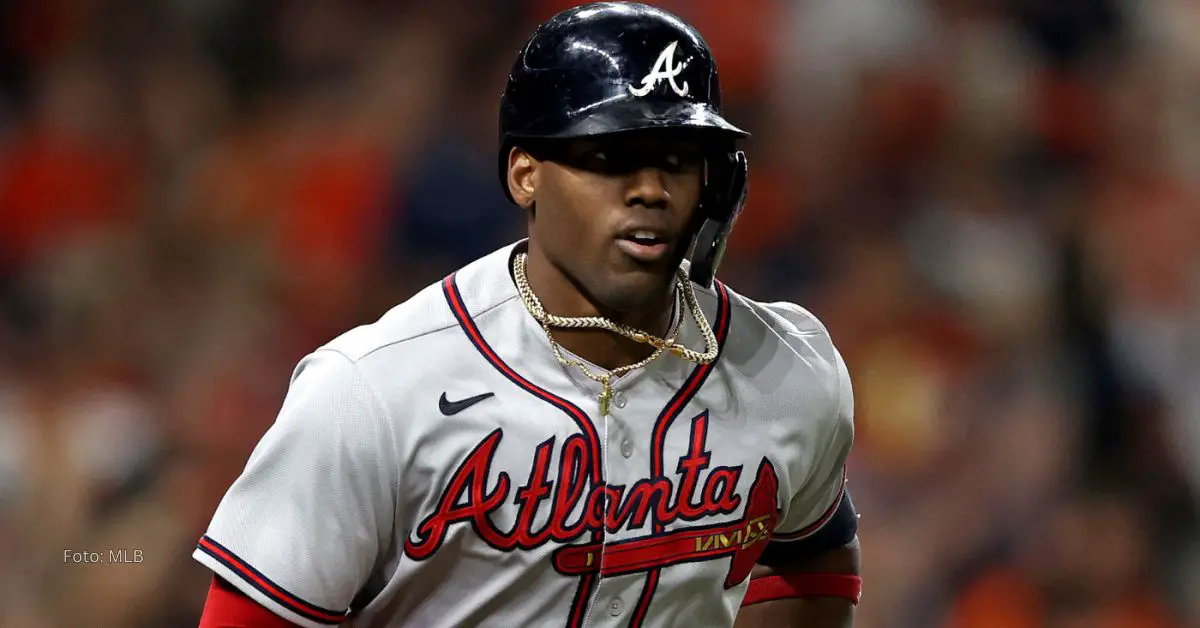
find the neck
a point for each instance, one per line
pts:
(562, 297)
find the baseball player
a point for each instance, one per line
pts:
(583, 428)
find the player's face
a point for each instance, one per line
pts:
(616, 214)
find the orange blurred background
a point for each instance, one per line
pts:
(992, 204)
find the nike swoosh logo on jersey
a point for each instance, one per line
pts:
(449, 408)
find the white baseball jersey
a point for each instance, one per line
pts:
(440, 467)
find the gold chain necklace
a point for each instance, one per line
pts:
(669, 344)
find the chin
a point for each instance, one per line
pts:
(634, 292)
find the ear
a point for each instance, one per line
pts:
(522, 177)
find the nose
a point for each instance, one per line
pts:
(647, 187)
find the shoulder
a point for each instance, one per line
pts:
(784, 317)
(425, 334)
(759, 326)
(406, 324)
(783, 349)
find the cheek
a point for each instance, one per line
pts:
(582, 198)
(687, 187)
(567, 211)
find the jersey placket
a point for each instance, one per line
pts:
(624, 432)
(602, 607)
(644, 402)
(625, 464)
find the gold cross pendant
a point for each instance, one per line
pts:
(605, 394)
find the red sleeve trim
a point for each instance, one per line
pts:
(256, 579)
(227, 607)
(786, 586)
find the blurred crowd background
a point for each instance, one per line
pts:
(992, 204)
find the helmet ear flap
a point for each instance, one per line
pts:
(721, 203)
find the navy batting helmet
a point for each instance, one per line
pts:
(612, 67)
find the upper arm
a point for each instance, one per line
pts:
(820, 516)
(303, 527)
(814, 550)
(227, 607)
(818, 591)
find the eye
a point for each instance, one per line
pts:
(679, 160)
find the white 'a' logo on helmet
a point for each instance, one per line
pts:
(664, 68)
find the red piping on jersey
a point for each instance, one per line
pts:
(672, 410)
(454, 298)
(277, 593)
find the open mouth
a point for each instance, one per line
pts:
(644, 245)
(645, 238)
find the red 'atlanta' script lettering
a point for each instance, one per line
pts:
(469, 499)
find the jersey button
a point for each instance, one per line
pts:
(626, 448)
(616, 607)
(619, 399)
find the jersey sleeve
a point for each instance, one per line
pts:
(819, 499)
(302, 528)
